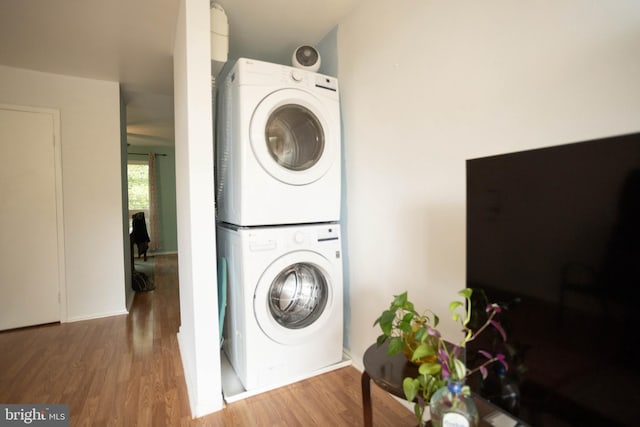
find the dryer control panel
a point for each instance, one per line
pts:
(330, 233)
(325, 82)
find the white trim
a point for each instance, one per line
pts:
(57, 153)
(357, 364)
(154, 253)
(97, 316)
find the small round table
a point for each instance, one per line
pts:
(387, 372)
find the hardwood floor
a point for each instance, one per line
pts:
(127, 371)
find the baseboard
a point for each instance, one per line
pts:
(162, 253)
(97, 316)
(356, 363)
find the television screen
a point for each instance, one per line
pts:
(553, 235)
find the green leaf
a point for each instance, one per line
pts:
(396, 344)
(386, 321)
(459, 369)
(429, 369)
(466, 293)
(423, 350)
(381, 339)
(410, 386)
(432, 384)
(453, 305)
(399, 300)
(405, 324)
(421, 334)
(406, 328)
(417, 410)
(408, 306)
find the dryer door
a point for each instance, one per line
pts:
(294, 297)
(293, 138)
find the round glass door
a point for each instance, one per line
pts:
(298, 296)
(294, 137)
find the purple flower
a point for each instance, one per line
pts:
(485, 354)
(456, 351)
(483, 371)
(445, 370)
(498, 326)
(494, 308)
(443, 357)
(433, 332)
(502, 359)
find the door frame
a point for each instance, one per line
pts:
(57, 165)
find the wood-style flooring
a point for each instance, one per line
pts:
(126, 371)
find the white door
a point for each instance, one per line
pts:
(29, 276)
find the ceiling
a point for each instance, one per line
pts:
(131, 41)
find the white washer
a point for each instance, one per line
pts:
(277, 146)
(284, 301)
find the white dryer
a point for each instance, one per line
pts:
(284, 303)
(277, 146)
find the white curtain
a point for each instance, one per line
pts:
(154, 218)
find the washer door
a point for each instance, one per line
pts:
(294, 297)
(292, 137)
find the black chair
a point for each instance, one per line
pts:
(139, 234)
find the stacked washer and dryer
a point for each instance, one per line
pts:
(278, 174)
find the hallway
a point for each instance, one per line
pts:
(126, 370)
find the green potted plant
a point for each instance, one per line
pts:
(440, 364)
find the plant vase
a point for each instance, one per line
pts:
(452, 406)
(430, 344)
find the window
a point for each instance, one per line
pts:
(138, 188)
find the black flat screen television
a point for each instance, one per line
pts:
(553, 234)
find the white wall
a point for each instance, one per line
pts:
(126, 240)
(92, 203)
(198, 336)
(426, 85)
